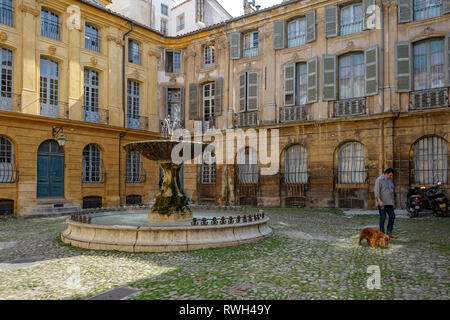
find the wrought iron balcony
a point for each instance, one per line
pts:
(8, 172)
(137, 122)
(293, 114)
(429, 99)
(96, 115)
(136, 177)
(10, 102)
(245, 119)
(350, 107)
(54, 109)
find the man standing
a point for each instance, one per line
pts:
(384, 193)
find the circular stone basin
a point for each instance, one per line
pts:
(131, 232)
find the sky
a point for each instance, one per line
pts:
(235, 8)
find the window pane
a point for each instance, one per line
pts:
(425, 9)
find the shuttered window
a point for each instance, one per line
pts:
(6, 88)
(403, 66)
(295, 84)
(173, 61)
(209, 56)
(6, 160)
(425, 9)
(248, 91)
(251, 44)
(351, 167)
(431, 161)
(351, 76)
(331, 21)
(247, 166)
(351, 19)
(208, 105)
(92, 160)
(133, 167)
(429, 64)
(296, 165)
(279, 34)
(371, 70)
(329, 77)
(297, 32)
(235, 45)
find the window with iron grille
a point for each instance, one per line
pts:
(208, 103)
(296, 165)
(429, 64)
(50, 25)
(91, 38)
(134, 52)
(133, 167)
(6, 160)
(134, 105)
(91, 96)
(297, 32)
(6, 94)
(134, 199)
(425, 9)
(173, 61)
(209, 169)
(251, 44)
(92, 164)
(351, 19)
(49, 88)
(351, 76)
(351, 164)
(431, 161)
(247, 166)
(6, 12)
(209, 57)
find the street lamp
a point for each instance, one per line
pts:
(61, 139)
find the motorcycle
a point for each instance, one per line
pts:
(438, 200)
(414, 202)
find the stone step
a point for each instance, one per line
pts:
(44, 212)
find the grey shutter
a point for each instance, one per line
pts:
(242, 92)
(445, 6)
(289, 84)
(331, 21)
(193, 100)
(279, 28)
(312, 68)
(405, 11)
(218, 97)
(311, 26)
(447, 38)
(371, 70)
(252, 95)
(235, 45)
(182, 102)
(403, 66)
(164, 94)
(329, 77)
(368, 4)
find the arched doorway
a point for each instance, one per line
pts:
(50, 170)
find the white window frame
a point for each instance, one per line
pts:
(296, 165)
(176, 62)
(250, 48)
(351, 163)
(209, 56)
(92, 164)
(300, 32)
(428, 72)
(50, 24)
(180, 22)
(431, 161)
(134, 52)
(7, 79)
(133, 167)
(352, 77)
(357, 25)
(6, 160)
(209, 169)
(430, 10)
(91, 95)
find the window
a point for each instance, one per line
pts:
(297, 32)
(351, 19)
(164, 10)
(425, 9)
(248, 91)
(174, 104)
(180, 22)
(209, 169)
(91, 96)
(6, 160)
(163, 26)
(208, 105)
(49, 88)
(247, 166)
(209, 57)
(429, 64)
(134, 199)
(91, 38)
(351, 166)
(50, 25)
(6, 12)
(200, 10)
(251, 44)
(134, 105)
(301, 84)
(351, 76)
(92, 160)
(296, 164)
(431, 161)
(134, 167)
(134, 52)
(173, 61)
(6, 89)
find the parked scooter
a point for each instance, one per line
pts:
(438, 200)
(414, 202)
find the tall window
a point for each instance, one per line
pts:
(164, 9)
(6, 160)
(351, 76)
(49, 88)
(163, 26)
(180, 22)
(92, 164)
(251, 44)
(173, 61)
(91, 96)
(208, 105)
(351, 165)
(134, 52)
(301, 84)
(134, 105)
(174, 103)
(297, 32)
(200, 10)
(6, 93)
(209, 56)
(209, 169)
(91, 38)
(296, 165)
(351, 19)
(431, 161)
(429, 64)
(134, 167)
(50, 25)
(6, 12)
(248, 91)
(247, 166)
(425, 9)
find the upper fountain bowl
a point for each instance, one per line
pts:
(161, 150)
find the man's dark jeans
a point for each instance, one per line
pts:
(389, 210)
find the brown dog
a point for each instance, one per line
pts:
(374, 237)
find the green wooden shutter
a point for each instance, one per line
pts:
(182, 103)
(312, 82)
(311, 26)
(371, 70)
(403, 66)
(368, 12)
(445, 6)
(447, 38)
(331, 21)
(329, 77)
(218, 97)
(289, 84)
(252, 93)
(243, 92)
(279, 28)
(405, 11)
(235, 45)
(194, 89)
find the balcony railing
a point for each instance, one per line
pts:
(251, 52)
(245, 119)
(350, 107)
(163, 127)
(293, 114)
(10, 102)
(429, 99)
(141, 177)
(296, 38)
(54, 109)
(137, 122)
(92, 42)
(6, 14)
(96, 115)
(209, 124)
(50, 29)
(8, 172)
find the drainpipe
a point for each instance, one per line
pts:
(382, 55)
(122, 134)
(123, 73)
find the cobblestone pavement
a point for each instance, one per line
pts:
(313, 254)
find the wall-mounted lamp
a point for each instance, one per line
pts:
(61, 139)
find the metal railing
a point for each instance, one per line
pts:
(296, 38)
(59, 110)
(245, 119)
(250, 52)
(350, 107)
(6, 14)
(140, 178)
(429, 99)
(96, 115)
(137, 122)
(50, 29)
(209, 124)
(349, 28)
(10, 102)
(293, 114)
(8, 172)
(92, 42)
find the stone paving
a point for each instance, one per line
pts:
(313, 254)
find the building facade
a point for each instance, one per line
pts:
(353, 87)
